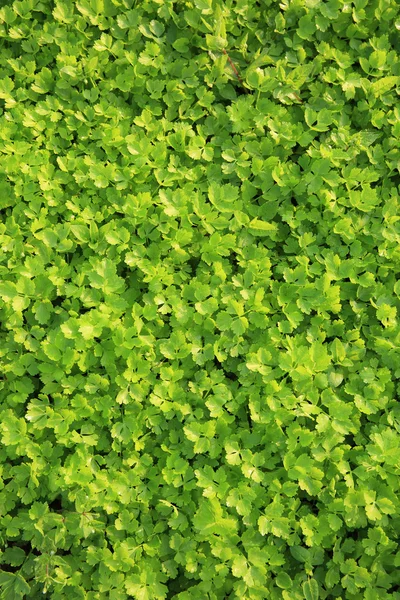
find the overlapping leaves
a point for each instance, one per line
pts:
(199, 299)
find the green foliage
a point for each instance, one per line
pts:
(199, 299)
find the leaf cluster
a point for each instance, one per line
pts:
(199, 299)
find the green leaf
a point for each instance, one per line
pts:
(6, 87)
(42, 311)
(262, 228)
(215, 42)
(224, 320)
(311, 590)
(181, 45)
(43, 81)
(81, 232)
(299, 553)
(209, 519)
(319, 356)
(14, 587)
(8, 291)
(306, 27)
(332, 577)
(284, 581)
(223, 197)
(384, 85)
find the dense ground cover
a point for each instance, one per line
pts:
(199, 294)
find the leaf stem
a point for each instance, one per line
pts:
(234, 69)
